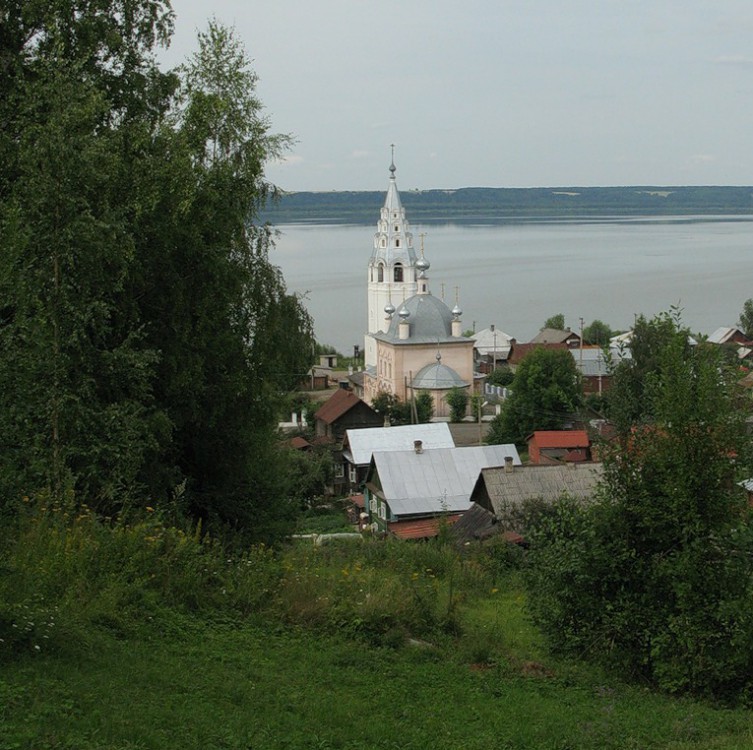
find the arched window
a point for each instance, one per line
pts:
(380, 273)
(397, 243)
(398, 272)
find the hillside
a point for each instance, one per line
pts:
(495, 204)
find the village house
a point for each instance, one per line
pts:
(343, 411)
(555, 336)
(491, 348)
(503, 491)
(360, 445)
(407, 493)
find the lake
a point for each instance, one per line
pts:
(517, 274)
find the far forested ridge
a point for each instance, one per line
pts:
(485, 203)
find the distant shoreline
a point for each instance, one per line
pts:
(498, 205)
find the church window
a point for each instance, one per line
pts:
(383, 242)
(380, 273)
(398, 272)
(397, 243)
(397, 228)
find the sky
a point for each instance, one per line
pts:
(497, 93)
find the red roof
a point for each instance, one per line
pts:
(421, 528)
(299, 443)
(340, 402)
(518, 351)
(560, 439)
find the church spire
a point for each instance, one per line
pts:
(393, 271)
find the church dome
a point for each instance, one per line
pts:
(437, 377)
(430, 319)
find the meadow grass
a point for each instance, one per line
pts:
(124, 636)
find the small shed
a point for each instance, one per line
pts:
(503, 490)
(556, 446)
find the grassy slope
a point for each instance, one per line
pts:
(204, 685)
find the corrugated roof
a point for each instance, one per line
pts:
(361, 444)
(553, 336)
(435, 481)
(722, 335)
(340, 402)
(508, 489)
(560, 438)
(420, 528)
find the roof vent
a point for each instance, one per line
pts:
(508, 464)
(418, 446)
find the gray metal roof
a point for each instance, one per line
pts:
(438, 480)
(362, 443)
(430, 322)
(437, 377)
(508, 489)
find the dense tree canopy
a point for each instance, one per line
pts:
(145, 334)
(545, 392)
(655, 577)
(556, 321)
(597, 332)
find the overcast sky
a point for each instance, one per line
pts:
(500, 93)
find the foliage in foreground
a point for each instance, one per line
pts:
(139, 634)
(657, 577)
(146, 334)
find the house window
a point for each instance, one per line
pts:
(382, 511)
(373, 504)
(398, 270)
(353, 474)
(339, 471)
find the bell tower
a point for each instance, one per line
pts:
(392, 273)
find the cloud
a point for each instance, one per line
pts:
(734, 60)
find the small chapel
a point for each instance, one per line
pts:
(414, 341)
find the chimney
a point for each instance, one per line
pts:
(508, 465)
(418, 446)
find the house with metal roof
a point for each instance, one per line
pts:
(414, 489)
(504, 490)
(360, 445)
(556, 336)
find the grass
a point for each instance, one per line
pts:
(139, 637)
(248, 687)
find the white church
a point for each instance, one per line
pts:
(414, 341)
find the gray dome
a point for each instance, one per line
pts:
(422, 264)
(437, 377)
(456, 311)
(430, 319)
(389, 308)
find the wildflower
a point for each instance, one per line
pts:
(149, 509)
(494, 591)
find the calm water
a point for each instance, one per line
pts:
(515, 275)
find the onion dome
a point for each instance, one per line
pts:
(404, 313)
(456, 311)
(389, 309)
(422, 264)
